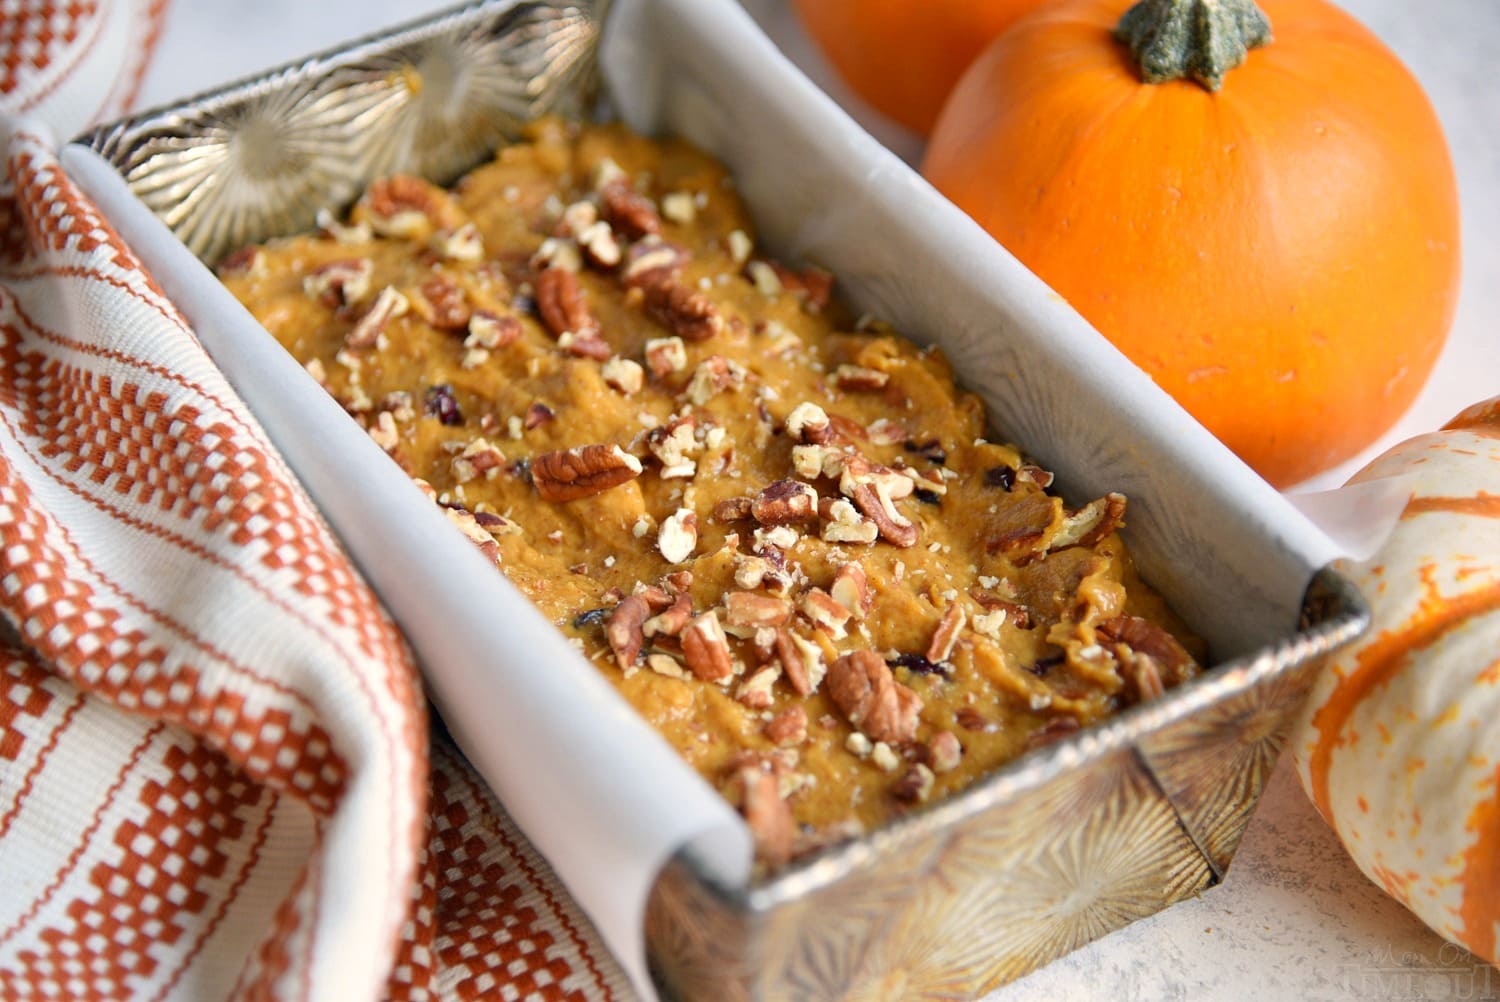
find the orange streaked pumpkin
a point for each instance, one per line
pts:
(1264, 218)
(1398, 745)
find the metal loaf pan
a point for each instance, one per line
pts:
(1058, 848)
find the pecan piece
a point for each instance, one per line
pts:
(875, 503)
(915, 786)
(788, 728)
(863, 687)
(537, 415)
(649, 262)
(1091, 523)
(809, 423)
(683, 310)
(582, 471)
(678, 536)
(823, 610)
(784, 501)
(858, 379)
(490, 330)
(706, 648)
(767, 815)
(750, 609)
(406, 206)
(736, 509)
(665, 356)
(340, 283)
(671, 620)
(944, 751)
(627, 210)
(624, 630)
(443, 304)
(1172, 664)
(559, 300)
(851, 589)
(801, 661)
(369, 332)
(946, 635)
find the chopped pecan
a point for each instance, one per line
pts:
(582, 471)
(944, 752)
(443, 304)
(751, 609)
(674, 444)
(679, 206)
(599, 246)
(665, 356)
(823, 610)
(706, 648)
(406, 206)
(862, 686)
(490, 330)
(630, 212)
(683, 310)
(624, 630)
(946, 635)
(788, 728)
(1015, 613)
(586, 345)
(329, 226)
(1172, 661)
(735, 509)
(755, 691)
(623, 374)
(785, 501)
(678, 536)
(1091, 523)
(1034, 475)
(875, 503)
(767, 815)
(851, 589)
(370, 330)
(915, 786)
(808, 423)
(340, 283)
(463, 244)
(842, 522)
(666, 664)
(671, 620)
(801, 661)
(713, 375)
(858, 379)
(478, 459)
(653, 261)
(813, 286)
(537, 415)
(559, 300)
(247, 261)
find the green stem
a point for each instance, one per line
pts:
(1201, 39)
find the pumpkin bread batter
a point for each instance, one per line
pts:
(781, 534)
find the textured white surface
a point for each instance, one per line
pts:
(1295, 919)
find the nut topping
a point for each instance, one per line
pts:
(623, 374)
(823, 610)
(706, 648)
(627, 210)
(857, 379)
(785, 501)
(340, 283)
(863, 687)
(405, 206)
(788, 728)
(851, 589)
(1091, 523)
(442, 304)
(944, 751)
(488, 330)
(683, 310)
(370, 331)
(666, 355)
(623, 630)
(671, 620)
(751, 609)
(678, 536)
(582, 471)
(559, 300)
(946, 634)
(767, 815)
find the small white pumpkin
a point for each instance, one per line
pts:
(1399, 745)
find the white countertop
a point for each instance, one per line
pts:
(1295, 919)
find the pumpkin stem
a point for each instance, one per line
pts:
(1202, 39)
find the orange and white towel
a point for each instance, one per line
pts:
(217, 778)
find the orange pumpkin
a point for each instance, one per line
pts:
(1278, 248)
(1398, 745)
(904, 56)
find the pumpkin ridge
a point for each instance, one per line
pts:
(1483, 504)
(1377, 664)
(1479, 909)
